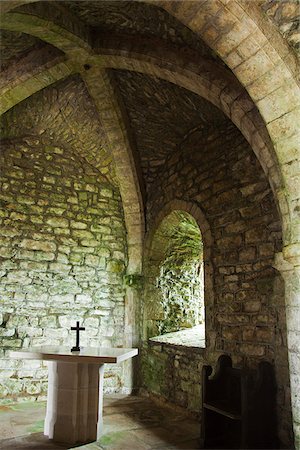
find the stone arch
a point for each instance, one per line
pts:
(222, 90)
(228, 27)
(153, 252)
(267, 68)
(207, 79)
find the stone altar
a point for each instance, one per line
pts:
(75, 389)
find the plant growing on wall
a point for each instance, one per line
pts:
(181, 276)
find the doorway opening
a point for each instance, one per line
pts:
(179, 281)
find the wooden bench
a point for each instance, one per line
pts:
(238, 407)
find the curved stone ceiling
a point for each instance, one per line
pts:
(224, 26)
(161, 115)
(64, 114)
(137, 18)
(14, 44)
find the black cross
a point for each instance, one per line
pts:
(77, 329)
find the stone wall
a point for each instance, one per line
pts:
(62, 256)
(174, 373)
(217, 171)
(285, 15)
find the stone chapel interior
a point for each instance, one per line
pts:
(149, 189)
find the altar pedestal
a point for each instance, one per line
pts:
(75, 389)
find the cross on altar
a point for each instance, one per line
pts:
(77, 329)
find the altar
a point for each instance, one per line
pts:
(75, 389)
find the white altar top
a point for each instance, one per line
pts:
(88, 355)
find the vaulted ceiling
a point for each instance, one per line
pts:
(158, 113)
(123, 83)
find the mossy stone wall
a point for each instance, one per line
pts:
(216, 171)
(62, 259)
(173, 373)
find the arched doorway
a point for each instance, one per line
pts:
(177, 312)
(177, 273)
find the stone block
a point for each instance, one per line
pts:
(61, 299)
(93, 261)
(265, 334)
(100, 228)
(88, 272)
(231, 333)
(254, 67)
(91, 322)
(12, 342)
(115, 266)
(228, 297)
(49, 179)
(255, 235)
(247, 254)
(82, 234)
(64, 249)
(21, 276)
(44, 246)
(34, 388)
(89, 243)
(229, 241)
(84, 299)
(251, 306)
(107, 193)
(34, 255)
(62, 231)
(62, 258)
(266, 250)
(252, 349)
(5, 252)
(57, 222)
(5, 241)
(56, 211)
(27, 330)
(7, 332)
(103, 251)
(76, 258)
(56, 333)
(118, 255)
(73, 200)
(279, 102)
(226, 270)
(49, 321)
(230, 278)
(15, 216)
(32, 266)
(248, 333)
(59, 267)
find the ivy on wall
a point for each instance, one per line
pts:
(181, 275)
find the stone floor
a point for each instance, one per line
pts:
(130, 423)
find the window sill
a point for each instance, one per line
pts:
(191, 337)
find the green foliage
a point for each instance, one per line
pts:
(185, 243)
(134, 280)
